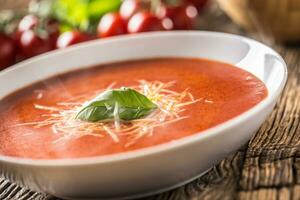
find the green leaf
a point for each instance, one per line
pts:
(83, 14)
(98, 8)
(129, 104)
(64, 28)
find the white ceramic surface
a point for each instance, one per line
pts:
(156, 168)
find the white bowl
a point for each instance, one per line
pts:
(158, 168)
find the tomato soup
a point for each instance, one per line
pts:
(215, 92)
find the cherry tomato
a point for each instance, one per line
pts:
(182, 17)
(31, 44)
(71, 37)
(129, 8)
(32, 22)
(111, 24)
(7, 51)
(199, 4)
(27, 23)
(144, 22)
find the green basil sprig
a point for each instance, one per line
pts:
(130, 105)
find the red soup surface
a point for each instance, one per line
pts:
(222, 92)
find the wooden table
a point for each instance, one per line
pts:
(268, 167)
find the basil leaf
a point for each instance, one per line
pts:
(131, 105)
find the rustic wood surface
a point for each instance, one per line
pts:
(268, 167)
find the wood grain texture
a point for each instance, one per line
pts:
(268, 167)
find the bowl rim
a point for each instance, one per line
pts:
(160, 148)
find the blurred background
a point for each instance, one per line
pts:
(32, 27)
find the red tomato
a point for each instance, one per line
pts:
(27, 23)
(31, 44)
(111, 24)
(71, 37)
(7, 51)
(129, 8)
(199, 4)
(182, 17)
(144, 22)
(31, 22)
